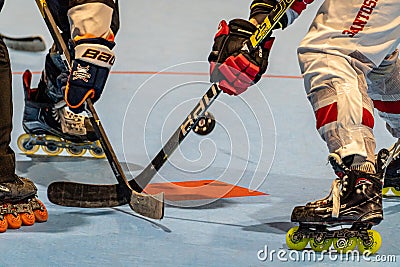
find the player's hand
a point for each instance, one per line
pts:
(234, 67)
(89, 71)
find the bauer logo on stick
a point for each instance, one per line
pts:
(269, 22)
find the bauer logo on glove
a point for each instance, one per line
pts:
(81, 73)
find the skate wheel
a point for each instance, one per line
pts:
(385, 190)
(292, 242)
(41, 215)
(51, 147)
(374, 242)
(3, 225)
(25, 146)
(76, 151)
(395, 191)
(343, 245)
(205, 125)
(27, 219)
(320, 246)
(14, 222)
(97, 151)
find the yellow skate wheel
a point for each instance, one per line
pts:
(76, 151)
(385, 190)
(3, 225)
(98, 151)
(51, 148)
(320, 246)
(14, 222)
(375, 242)
(27, 218)
(395, 191)
(343, 245)
(293, 243)
(24, 146)
(41, 215)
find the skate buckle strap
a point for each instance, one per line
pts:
(336, 197)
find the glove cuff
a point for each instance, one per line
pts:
(96, 54)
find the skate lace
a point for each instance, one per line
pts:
(54, 114)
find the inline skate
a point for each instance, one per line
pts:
(19, 204)
(390, 166)
(53, 127)
(345, 217)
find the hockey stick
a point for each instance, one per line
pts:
(64, 192)
(30, 43)
(146, 205)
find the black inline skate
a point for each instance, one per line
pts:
(54, 127)
(355, 200)
(19, 205)
(390, 166)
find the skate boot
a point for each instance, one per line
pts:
(390, 166)
(54, 127)
(355, 200)
(19, 205)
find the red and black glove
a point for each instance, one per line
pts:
(236, 69)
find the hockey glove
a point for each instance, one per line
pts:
(236, 69)
(89, 72)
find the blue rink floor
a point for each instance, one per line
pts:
(264, 141)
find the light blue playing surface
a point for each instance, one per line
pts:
(264, 140)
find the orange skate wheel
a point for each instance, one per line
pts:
(3, 225)
(27, 218)
(14, 222)
(41, 215)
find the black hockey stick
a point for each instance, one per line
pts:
(64, 192)
(146, 205)
(34, 43)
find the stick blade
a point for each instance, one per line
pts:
(151, 206)
(79, 195)
(30, 44)
(71, 194)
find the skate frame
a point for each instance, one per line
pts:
(146, 205)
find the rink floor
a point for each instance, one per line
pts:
(229, 194)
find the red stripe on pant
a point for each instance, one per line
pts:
(326, 114)
(329, 114)
(392, 107)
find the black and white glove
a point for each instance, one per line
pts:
(89, 72)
